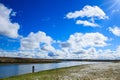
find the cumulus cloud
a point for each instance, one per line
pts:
(79, 40)
(82, 46)
(48, 48)
(86, 23)
(78, 46)
(34, 40)
(65, 44)
(25, 54)
(89, 12)
(8, 28)
(115, 30)
(37, 45)
(90, 53)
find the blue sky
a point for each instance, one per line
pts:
(60, 29)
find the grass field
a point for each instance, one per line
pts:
(100, 71)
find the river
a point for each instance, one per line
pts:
(7, 70)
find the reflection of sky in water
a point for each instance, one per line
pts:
(16, 69)
(8, 70)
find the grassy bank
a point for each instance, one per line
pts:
(100, 71)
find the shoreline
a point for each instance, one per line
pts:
(14, 60)
(100, 71)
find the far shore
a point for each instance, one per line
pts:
(97, 71)
(19, 60)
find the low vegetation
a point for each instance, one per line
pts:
(100, 71)
(37, 60)
(26, 60)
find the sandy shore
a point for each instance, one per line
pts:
(99, 71)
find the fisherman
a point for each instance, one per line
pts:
(33, 69)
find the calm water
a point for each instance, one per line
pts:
(7, 70)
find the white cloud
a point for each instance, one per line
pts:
(7, 28)
(13, 14)
(79, 40)
(90, 53)
(64, 44)
(115, 30)
(82, 46)
(79, 45)
(88, 11)
(48, 48)
(72, 48)
(34, 40)
(86, 23)
(91, 13)
(8, 54)
(65, 53)
(33, 54)
(25, 54)
(115, 11)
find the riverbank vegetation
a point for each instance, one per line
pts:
(38, 60)
(26, 60)
(97, 71)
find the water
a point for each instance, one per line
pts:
(7, 70)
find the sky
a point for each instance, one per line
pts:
(60, 29)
